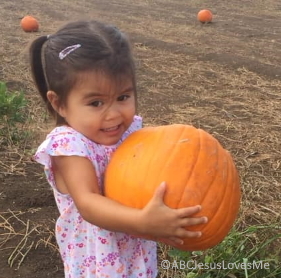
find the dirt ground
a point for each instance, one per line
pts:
(224, 77)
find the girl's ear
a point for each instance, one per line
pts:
(55, 102)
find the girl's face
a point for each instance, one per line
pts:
(100, 108)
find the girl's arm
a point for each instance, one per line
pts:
(76, 176)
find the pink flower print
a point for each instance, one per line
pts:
(55, 145)
(63, 234)
(65, 143)
(87, 262)
(102, 240)
(80, 219)
(80, 245)
(64, 140)
(70, 246)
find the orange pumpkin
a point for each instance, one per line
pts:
(205, 16)
(197, 169)
(29, 24)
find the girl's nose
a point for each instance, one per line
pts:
(112, 112)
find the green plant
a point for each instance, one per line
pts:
(12, 113)
(252, 253)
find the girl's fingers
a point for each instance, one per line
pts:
(185, 222)
(174, 241)
(185, 212)
(160, 192)
(178, 241)
(183, 233)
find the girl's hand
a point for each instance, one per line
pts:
(160, 221)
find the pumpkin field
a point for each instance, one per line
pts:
(223, 77)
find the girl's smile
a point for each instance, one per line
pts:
(115, 131)
(112, 130)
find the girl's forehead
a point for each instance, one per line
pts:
(101, 77)
(100, 82)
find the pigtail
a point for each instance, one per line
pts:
(36, 64)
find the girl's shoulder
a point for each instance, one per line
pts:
(63, 140)
(67, 136)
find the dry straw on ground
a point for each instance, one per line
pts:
(223, 77)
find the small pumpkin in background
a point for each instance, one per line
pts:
(29, 24)
(205, 16)
(196, 168)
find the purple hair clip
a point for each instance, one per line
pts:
(68, 50)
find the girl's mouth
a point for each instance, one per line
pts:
(111, 129)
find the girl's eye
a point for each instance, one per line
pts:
(123, 97)
(96, 103)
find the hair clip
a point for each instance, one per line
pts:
(68, 50)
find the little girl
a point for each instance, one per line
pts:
(85, 74)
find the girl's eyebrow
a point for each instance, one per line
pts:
(96, 94)
(129, 89)
(92, 94)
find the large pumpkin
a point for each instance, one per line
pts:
(197, 169)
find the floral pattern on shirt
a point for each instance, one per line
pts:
(87, 250)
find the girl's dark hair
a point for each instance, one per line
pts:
(103, 49)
